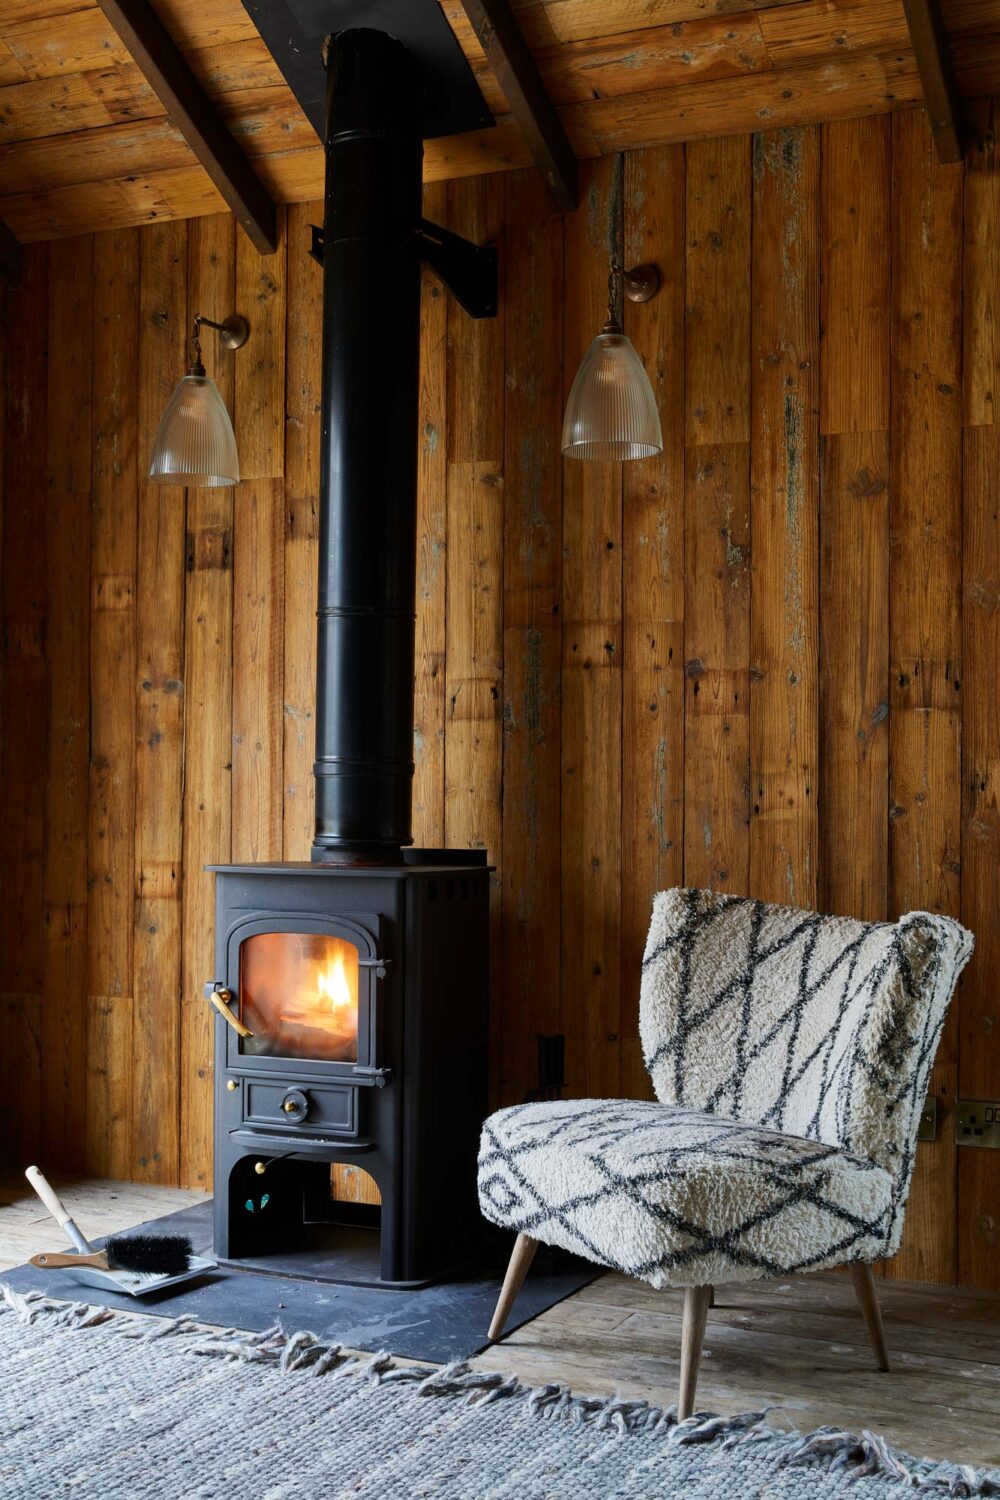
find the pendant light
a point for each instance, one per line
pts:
(195, 445)
(611, 412)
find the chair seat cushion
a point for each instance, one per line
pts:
(678, 1197)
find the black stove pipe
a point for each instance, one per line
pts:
(368, 459)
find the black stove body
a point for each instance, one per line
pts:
(352, 992)
(403, 1097)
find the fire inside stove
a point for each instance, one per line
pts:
(299, 995)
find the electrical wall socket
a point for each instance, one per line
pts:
(977, 1123)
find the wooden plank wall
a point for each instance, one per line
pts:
(765, 661)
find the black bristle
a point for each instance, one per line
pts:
(156, 1254)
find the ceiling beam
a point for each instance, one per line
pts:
(518, 76)
(930, 48)
(10, 257)
(191, 111)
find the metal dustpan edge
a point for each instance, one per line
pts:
(138, 1284)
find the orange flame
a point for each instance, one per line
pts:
(300, 994)
(332, 985)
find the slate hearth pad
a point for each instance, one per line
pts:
(437, 1324)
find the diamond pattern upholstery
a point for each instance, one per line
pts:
(790, 1054)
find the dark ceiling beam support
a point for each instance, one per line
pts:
(930, 48)
(10, 257)
(189, 108)
(518, 76)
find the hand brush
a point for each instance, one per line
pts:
(134, 1264)
(146, 1254)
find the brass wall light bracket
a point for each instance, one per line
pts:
(642, 283)
(233, 333)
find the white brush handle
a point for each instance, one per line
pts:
(57, 1209)
(49, 1196)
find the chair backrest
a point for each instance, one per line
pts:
(823, 1027)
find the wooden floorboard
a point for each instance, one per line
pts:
(98, 1206)
(797, 1346)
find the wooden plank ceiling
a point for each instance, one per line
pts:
(85, 143)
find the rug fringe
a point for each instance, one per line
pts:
(831, 1449)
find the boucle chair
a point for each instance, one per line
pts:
(790, 1054)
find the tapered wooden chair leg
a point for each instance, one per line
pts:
(864, 1287)
(696, 1302)
(522, 1256)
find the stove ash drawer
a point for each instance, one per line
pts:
(301, 1106)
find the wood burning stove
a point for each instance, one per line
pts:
(351, 1030)
(352, 992)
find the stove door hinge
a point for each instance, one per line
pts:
(378, 1076)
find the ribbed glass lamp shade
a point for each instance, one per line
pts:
(195, 445)
(611, 412)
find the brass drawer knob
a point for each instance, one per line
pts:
(232, 1085)
(295, 1105)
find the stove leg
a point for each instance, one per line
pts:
(521, 1258)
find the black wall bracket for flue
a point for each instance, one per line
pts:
(468, 271)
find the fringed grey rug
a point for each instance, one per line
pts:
(99, 1404)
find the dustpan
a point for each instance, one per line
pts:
(136, 1283)
(127, 1283)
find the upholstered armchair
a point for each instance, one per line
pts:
(790, 1054)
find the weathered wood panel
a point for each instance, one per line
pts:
(301, 576)
(925, 513)
(532, 575)
(854, 688)
(979, 1017)
(854, 519)
(585, 633)
(591, 680)
(23, 707)
(159, 722)
(854, 369)
(67, 578)
(432, 534)
(258, 555)
(653, 589)
(784, 511)
(717, 517)
(24, 680)
(208, 686)
(112, 732)
(473, 745)
(981, 291)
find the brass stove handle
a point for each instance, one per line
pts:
(220, 999)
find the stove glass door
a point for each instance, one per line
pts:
(299, 995)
